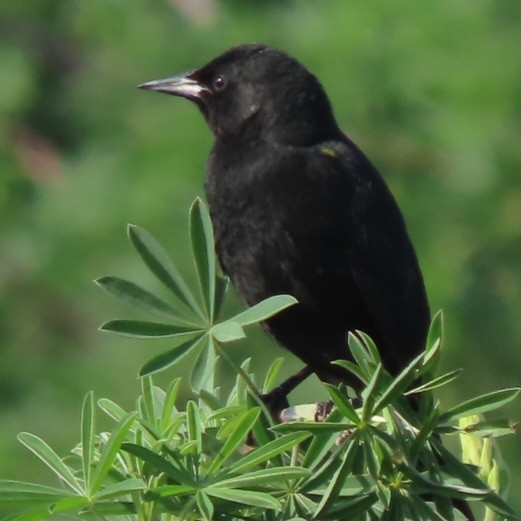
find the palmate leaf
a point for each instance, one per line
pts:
(160, 263)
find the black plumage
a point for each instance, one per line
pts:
(297, 208)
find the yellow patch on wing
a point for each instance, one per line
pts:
(328, 151)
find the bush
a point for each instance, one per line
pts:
(224, 457)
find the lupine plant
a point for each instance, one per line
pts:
(223, 457)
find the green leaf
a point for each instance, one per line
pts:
(458, 469)
(106, 508)
(343, 404)
(425, 485)
(490, 428)
(425, 509)
(353, 369)
(370, 346)
(137, 296)
(70, 503)
(440, 381)
(433, 343)
(272, 374)
(108, 455)
(360, 353)
(111, 408)
(160, 464)
(148, 402)
(13, 492)
(122, 488)
(87, 437)
(32, 515)
(370, 392)
(399, 385)
(267, 452)
(221, 285)
(205, 505)
(245, 497)
(51, 459)
(435, 333)
(204, 366)
(145, 329)
(169, 404)
(338, 479)
(201, 235)
(351, 508)
(165, 491)
(160, 263)
(314, 427)
(236, 438)
(168, 358)
(321, 444)
(427, 427)
(228, 331)
(264, 310)
(264, 477)
(194, 424)
(481, 404)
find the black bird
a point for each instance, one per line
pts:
(297, 208)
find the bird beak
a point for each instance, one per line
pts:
(182, 85)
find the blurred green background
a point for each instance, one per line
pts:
(431, 91)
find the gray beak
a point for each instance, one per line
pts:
(181, 85)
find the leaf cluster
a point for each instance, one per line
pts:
(223, 457)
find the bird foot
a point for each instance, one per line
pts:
(276, 401)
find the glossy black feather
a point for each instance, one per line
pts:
(297, 208)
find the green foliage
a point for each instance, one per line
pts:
(222, 457)
(430, 91)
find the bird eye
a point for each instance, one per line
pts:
(219, 82)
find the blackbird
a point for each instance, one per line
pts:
(297, 208)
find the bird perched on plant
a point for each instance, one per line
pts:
(297, 208)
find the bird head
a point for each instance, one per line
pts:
(253, 89)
